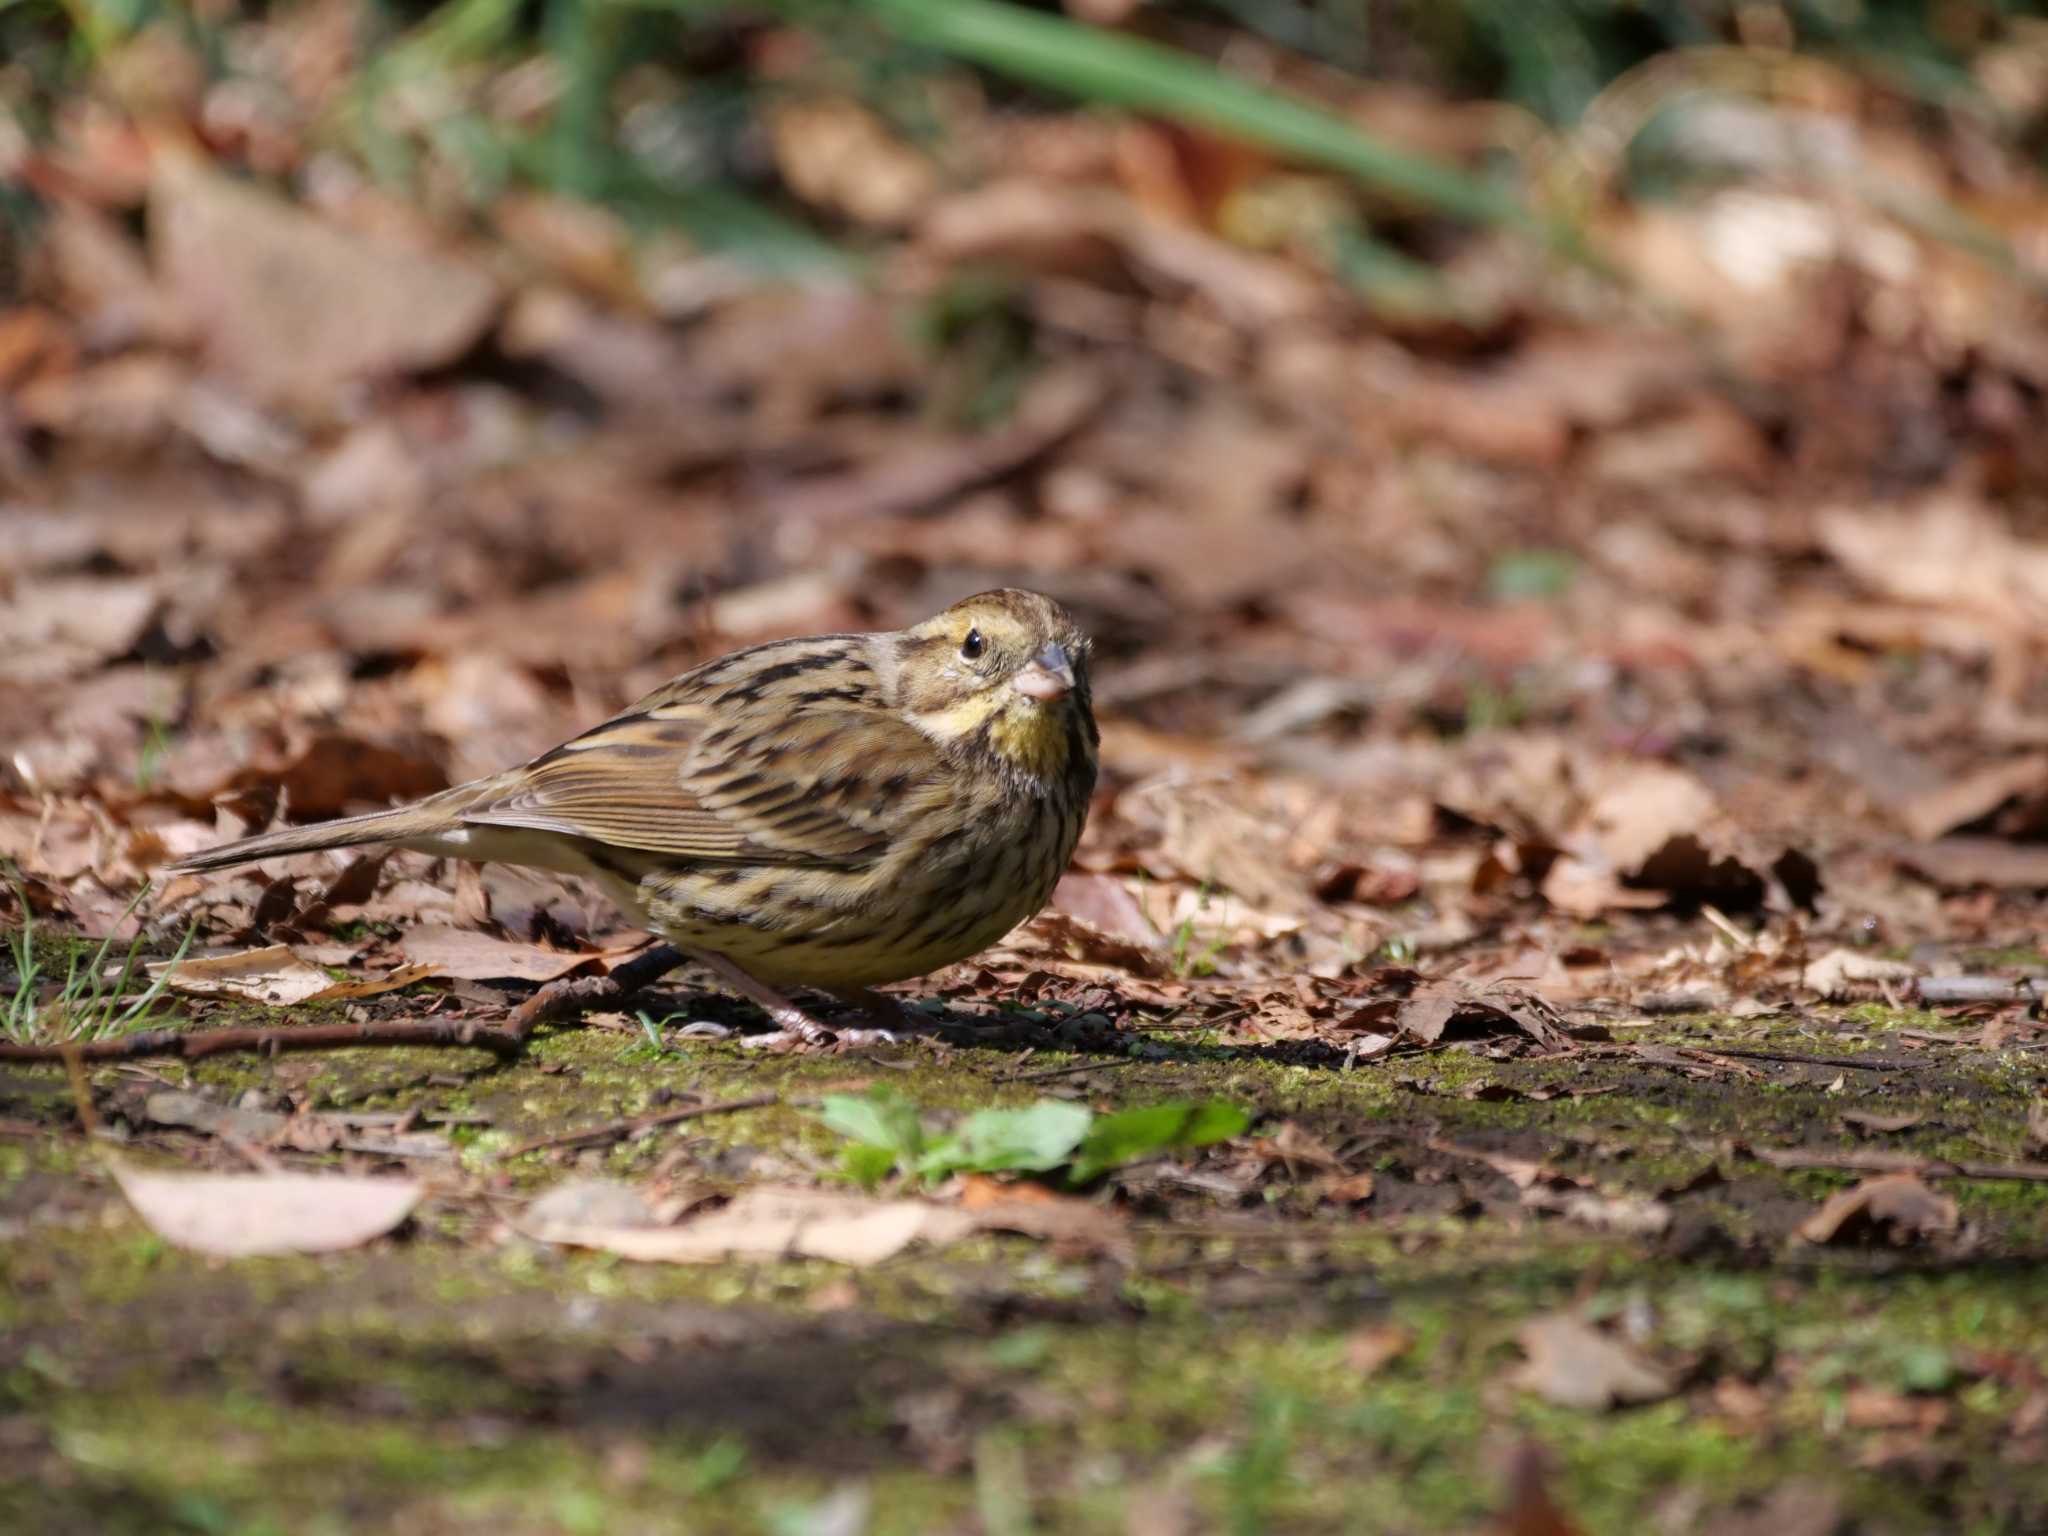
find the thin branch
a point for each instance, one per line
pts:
(194, 1045)
(1854, 1161)
(557, 1002)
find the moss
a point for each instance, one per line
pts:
(442, 1382)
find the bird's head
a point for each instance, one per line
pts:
(1004, 673)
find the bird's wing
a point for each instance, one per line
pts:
(718, 769)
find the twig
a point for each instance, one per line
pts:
(1898, 1162)
(574, 996)
(1860, 1063)
(1070, 1070)
(618, 1130)
(556, 1002)
(1936, 990)
(192, 1045)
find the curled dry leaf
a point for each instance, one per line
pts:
(1897, 1207)
(1841, 972)
(1459, 1010)
(772, 1223)
(277, 976)
(1573, 1364)
(237, 1215)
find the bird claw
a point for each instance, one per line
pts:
(824, 1039)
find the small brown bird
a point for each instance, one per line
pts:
(832, 812)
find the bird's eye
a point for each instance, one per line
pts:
(972, 646)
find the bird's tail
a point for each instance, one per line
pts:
(424, 822)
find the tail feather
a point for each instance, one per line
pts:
(424, 820)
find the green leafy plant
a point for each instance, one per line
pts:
(93, 998)
(885, 1134)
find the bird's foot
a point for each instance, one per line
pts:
(794, 1029)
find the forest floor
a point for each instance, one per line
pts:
(1573, 840)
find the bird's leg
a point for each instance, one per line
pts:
(793, 1025)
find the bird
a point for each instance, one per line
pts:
(835, 812)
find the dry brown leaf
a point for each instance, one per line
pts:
(242, 264)
(1949, 551)
(277, 976)
(467, 955)
(1958, 802)
(1372, 1348)
(236, 1215)
(1961, 863)
(1105, 904)
(1897, 1207)
(61, 626)
(836, 154)
(1072, 1225)
(1457, 1009)
(1573, 1364)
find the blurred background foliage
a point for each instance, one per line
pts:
(666, 111)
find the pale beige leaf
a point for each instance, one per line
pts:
(784, 1223)
(277, 976)
(1573, 1364)
(236, 1215)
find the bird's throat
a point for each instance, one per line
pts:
(1033, 737)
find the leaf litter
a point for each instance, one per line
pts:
(1513, 717)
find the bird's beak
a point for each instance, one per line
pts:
(1049, 678)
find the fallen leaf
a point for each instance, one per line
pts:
(1355, 1189)
(1895, 1206)
(1460, 1010)
(236, 1215)
(332, 773)
(1840, 972)
(1072, 1225)
(275, 975)
(583, 1205)
(57, 627)
(1870, 1120)
(1957, 802)
(241, 264)
(467, 955)
(1632, 1215)
(1371, 1348)
(1961, 863)
(1573, 1364)
(771, 1223)
(1105, 904)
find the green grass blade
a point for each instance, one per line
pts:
(1142, 76)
